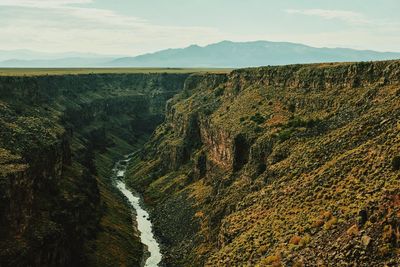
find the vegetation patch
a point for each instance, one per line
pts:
(396, 163)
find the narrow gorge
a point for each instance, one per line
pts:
(60, 138)
(276, 166)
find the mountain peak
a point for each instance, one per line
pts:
(193, 46)
(229, 54)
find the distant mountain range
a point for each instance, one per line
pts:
(69, 62)
(24, 58)
(223, 54)
(249, 54)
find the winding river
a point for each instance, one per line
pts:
(142, 216)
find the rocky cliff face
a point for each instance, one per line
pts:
(288, 165)
(59, 137)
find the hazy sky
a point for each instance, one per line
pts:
(136, 26)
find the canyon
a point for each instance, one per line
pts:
(292, 165)
(60, 138)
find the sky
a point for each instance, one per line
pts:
(133, 27)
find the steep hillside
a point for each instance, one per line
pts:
(249, 54)
(59, 138)
(279, 166)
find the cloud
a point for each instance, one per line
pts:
(42, 3)
(57, 26)
(344, 15)
(70, 25)
(363, 36)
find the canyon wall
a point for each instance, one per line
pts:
(291, 165)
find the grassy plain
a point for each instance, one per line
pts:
(76, 71)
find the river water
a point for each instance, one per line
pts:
(142, 216)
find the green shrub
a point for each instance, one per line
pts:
(285, 135)
(258, 118)
(219, 92)
(292, 107)
(261, 168)
(396, 163)
(298, 122)
(312, 123)
(258, 129)
(208, 111)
